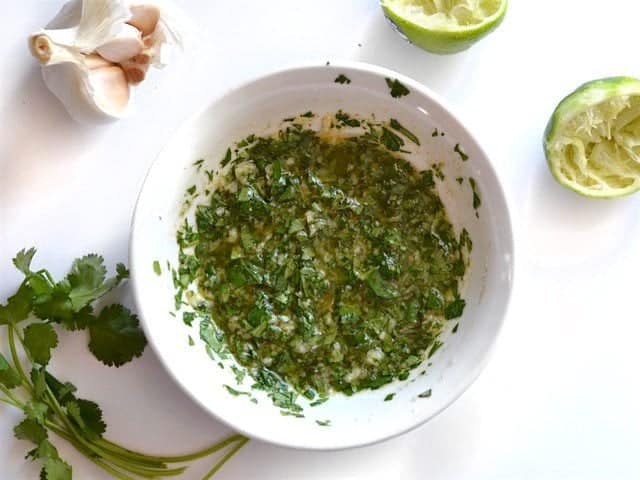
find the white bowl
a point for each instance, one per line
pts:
(258, 107)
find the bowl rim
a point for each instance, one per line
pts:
(498, 193)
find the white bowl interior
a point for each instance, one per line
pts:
(259, 107)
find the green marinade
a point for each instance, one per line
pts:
(330, 262)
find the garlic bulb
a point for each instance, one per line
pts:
(94, 51)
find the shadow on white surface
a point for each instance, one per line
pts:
(560, 221)
(436, 443)
(39, 125)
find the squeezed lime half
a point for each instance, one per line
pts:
(444, 26)
(592, 141)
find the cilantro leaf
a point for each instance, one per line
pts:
(121, 271)
(87, 272)
(54, 305)
(23, 259)
(56, 469)
(38, 379)
(30, 430)
(87, 281)
(39, 339)
(36, 411)
(44, 450)
(79, 320)
(61, 391)
(8, 376)
(116, 337)
(88, 416)
(18, 306)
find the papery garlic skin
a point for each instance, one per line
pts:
(94, 50)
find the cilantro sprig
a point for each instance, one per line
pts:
(34, 317)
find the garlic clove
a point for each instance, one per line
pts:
(108, 88)
(96, 61)
(71, 85)
(136, 71)
(126, 45)
(145, 18)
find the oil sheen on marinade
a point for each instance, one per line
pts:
(330, 263)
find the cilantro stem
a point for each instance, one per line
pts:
(81, 448)
(87, 453)
(77, 436)
(12, 331)
(107, 445)
(225, 458)
(8, 402)
(11, 400)
(149, 469)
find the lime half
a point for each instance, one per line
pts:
(592, 141)
(445, 26)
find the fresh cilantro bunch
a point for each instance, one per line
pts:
(33, 316)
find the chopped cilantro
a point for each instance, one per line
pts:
(455, 309)
(235, 392)
(436, 346)
(188, 318)
(425, 394)
(389, 397)
(321, 256)
(324, 423)
(342, 79)
(390, 140)
(320, 401)
(407, 133)
(397, 89)
(227, 158)
(345, 119)
(459, 151)
(156, 267)
(477, 202)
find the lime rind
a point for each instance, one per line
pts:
(592, 141)
(445, 26)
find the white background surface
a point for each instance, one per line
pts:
(560, 398)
